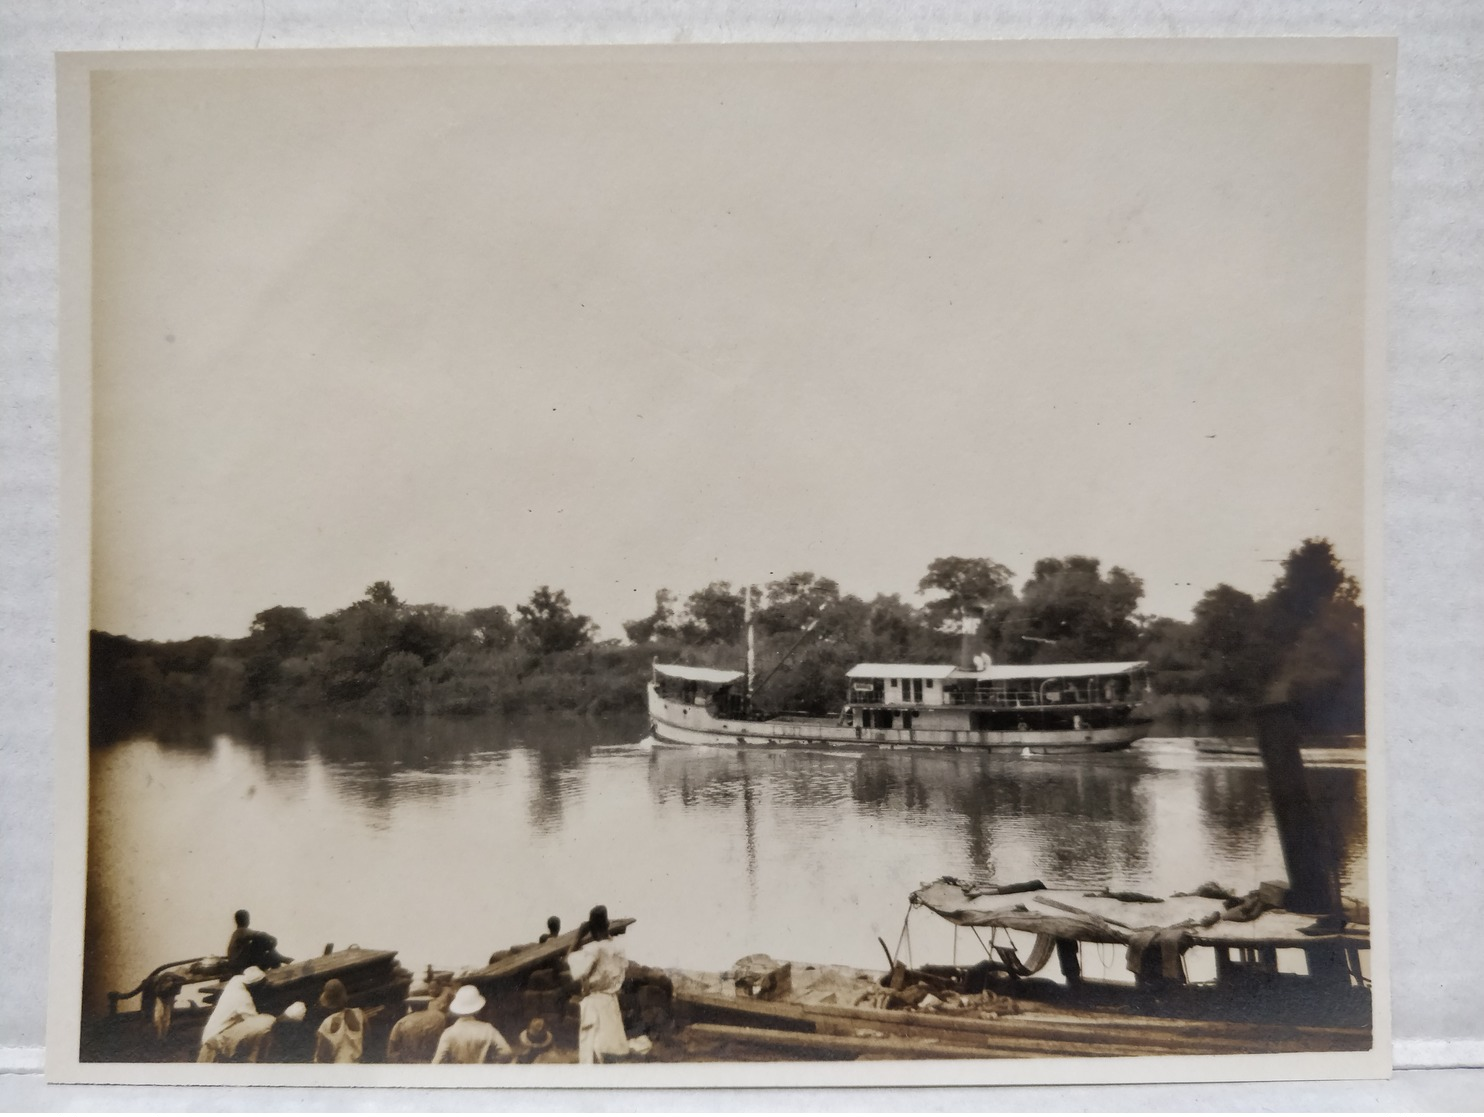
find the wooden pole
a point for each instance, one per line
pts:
(1309, 846)
(751, 643)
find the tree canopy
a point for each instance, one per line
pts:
(381, 593)
(970, 586)
(547, 623)
(1067, 611)
(1303, 642)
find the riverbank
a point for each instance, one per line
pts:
(820, 1011)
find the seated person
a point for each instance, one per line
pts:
(247, 948)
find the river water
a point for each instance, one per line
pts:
(446, 840)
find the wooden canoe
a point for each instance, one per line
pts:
(522, 960)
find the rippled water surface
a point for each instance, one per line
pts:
(447, 840)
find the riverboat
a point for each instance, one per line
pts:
(1010, 708)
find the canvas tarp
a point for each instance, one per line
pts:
(1092, 917)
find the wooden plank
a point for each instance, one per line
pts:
(927, 1025)
(830, 1046)
(780, 1015)
(1085, 1039)
(1198, 1026)
(1087, 1035)
(533, 957)
(1097, 1032)
(982, 1035)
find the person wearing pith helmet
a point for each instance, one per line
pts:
(469, 1039)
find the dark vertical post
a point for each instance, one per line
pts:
(1071, 964)
(1309, 848)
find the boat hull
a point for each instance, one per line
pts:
(681, 724)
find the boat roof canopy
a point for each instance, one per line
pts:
(996, 671)
(1050, 670)
(902, 670)
(697, 674)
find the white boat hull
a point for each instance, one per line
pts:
(685, 724)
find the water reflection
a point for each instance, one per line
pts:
(361, 830)
(377, 763)
(1087, 822)
(1234, 800)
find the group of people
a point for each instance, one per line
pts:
(237, 1032)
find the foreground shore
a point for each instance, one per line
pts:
(766, 1010)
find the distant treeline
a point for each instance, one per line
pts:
(1302, 642)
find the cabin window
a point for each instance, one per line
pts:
(928, 684)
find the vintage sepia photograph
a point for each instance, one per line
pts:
(624, 564)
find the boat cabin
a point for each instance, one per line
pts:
(722, 693)
(994, 697)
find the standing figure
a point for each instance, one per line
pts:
(247, 947)
(414, 1038)
(236, 1031)
(600, 966)
(553, 928)
(342, 1036)
(468, 1040)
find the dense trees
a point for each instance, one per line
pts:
(659, 625)
(969, 587)
(1304, 642)
(548, 625)
(378, 654)
(1067, 612)
(492, 626)
(1301, 642)
(714, 615)
(793, 602)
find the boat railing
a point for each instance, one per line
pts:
(1035, 693)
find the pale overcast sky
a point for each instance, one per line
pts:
(615, 325)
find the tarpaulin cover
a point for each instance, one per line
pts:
(1089, 917)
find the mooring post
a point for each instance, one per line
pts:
(1071, 963)
(1309, 848)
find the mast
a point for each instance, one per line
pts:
(751, 648)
